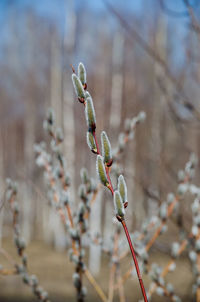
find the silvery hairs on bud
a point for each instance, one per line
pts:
(106, 148)
(118, 204)
(101, 171)
(87, 95)
(90, 114)
(91, 142)
(78, 86)
(82, 73)
(122, 188)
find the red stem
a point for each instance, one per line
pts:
(109, 180)
(125, 228)
(96, 142)
(135, 260)
(107, 169)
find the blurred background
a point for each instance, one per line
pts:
(139, 55)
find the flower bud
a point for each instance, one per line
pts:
(84, 175)
(64, 197)
(193, 256)
(141, 116)
(160, 291)
(181, 175)
(121, 141)
(182, 189)
(163, 211)
(26, 278)
(176, 298)
(16, 207)
(92, 186)
(106, 149)
(101, 171)
(119, 207)
(34, 280)
(76, 280)
(78, 87)
(197, 246)
(193, 159)
(195, 230)
(50, 116)
(172, 267)
(175, 249)
(82, 192)
(74, 234)
(87, 95)
(170, 288)
(90, 114)
(82, 73)
(84, 291)
(67, 179)
(59, 135)
(127, 125)
(170, 198)
(122, 188)
(91, 142)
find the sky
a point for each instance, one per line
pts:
(55, 10)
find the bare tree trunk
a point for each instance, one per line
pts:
(68, 96)
(115, 114)
(156, 151)
(56, 77)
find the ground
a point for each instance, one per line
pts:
(54, 271)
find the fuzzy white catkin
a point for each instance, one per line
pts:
(193, 256)
(82, 73)
(76, 280)
(118, 204)
(197, 220)
(176, 298)
(122, 188)
(84, 175)
(141, 116)
(175, 249)
(195, 230)
(87, 95)
(181, 175)
(197, 246)
(127, 125)
(106, 148)
(90, 114)
(170, 288)
(163, 211)
(170, 198)
(163, 229)
(121, 141)
(101, 170)
(193, 159)
(194, 190)
(78, 87)
(182, 189)
(172, 267)
(91, 142)
(160, 291)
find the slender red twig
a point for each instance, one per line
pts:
(125, 229)
(135, 260)
(123, 224)
(96, 142)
